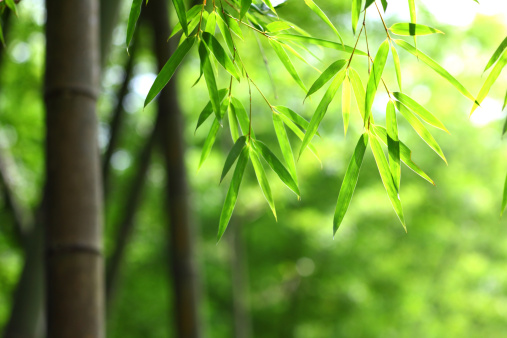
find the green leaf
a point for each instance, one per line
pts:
(321, 42)
(191, 16)
(245, 5)
(236, 149)
(284, 58)
(293, 116)
(504, 200)
(12, 5)
(169, 68)
(288, 122)
(326, 75)
(504, 101)
(285, 147)
(209, 76)
(208, 109)
(277, 166)
(2, 36)
(346, 104)
(321, 109)
(405, 154)
(435, 66)
(423, 113)
(349, 182)
(393, 144)
(496, 54)
(135, 11)
(384, 4)
(368, 3)
(231, 23)
(179, 6)
(296, 54)
(413, 29)
(316, 9)
(232, 194)
(495, 73)
(268, 3)
(420, 129)
(387, 179)
(277, 26)
(209, 142)
(356, 11)
(397, 66)
(358, 88)
(241, 114)
(219, 53)
(233, 121)
(224, 29)
(262, 179)
(211, 23)
(411, 6)
(375, 77)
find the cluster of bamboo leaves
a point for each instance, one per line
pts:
(199, 24)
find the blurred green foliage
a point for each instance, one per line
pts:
(446, 277)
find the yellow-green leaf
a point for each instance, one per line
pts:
(423, 113)
(326, 75)
(191, 17)
(262, 179)
(496, 54)
(495, 73)
(219, 53)
(321, 42)
(316, 9)
(209, 142)
(287, 63)
(209, 77)
(504, 200)
(233, 121)
(208, 109)
(285, 147)
(346, 104)
(288, 122)
(393, 144)
(245, 5)
(358, 88)
(413, 29)
(397, 66)
(375, 77)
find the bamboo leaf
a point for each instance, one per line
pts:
(233, 155)
(495, 73)
(293, 116)
(346, 104)
(262, 179)
(375, 77)
(384, 4)
(135, 11)
(287, 63)
(496, 54)
(368, 3)
(288, 122)
(397, 66)
(316, 9)
(224, 29)
(232, 194)
(356, 11)
(321, 109)
(270, 5)
(386, 177)
(320, 42)
(358, 88)
(276, 165)
(349, 182)
(232, 23)
(296, 54)
(208, 109)
(436, 67)
(423, 113)
(285, 147)
(211, 23)
(191, 16)
(420, 129)
(393, 144)
(411, 6)
(326, 75)
(277, 26)
(209, 142)
(179, 6)
(504, 200)
(245, 5)
(233, 121)
(241, 114)
(413, 29)
(12, 6)
(219, 53)
(405, 154)
(209, 77)
(504, 101)
(2, 36)
(169, 68)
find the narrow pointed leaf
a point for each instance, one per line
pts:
(231, 23)
(397, 66)
(387, 179)
(358, 88)
(191, 16)
(285, 147)
(209, 142)
(209, 77)
(435, 66)
(326, 75)
(420, 129)
(277, 166)
(233, 156)
(224, 29)
(393, 144)
(12, 6)
(346, 104)
(2, 36)
(277, 26)
(287, 63)
(296, 54)
(219, 53)
(208, 109)
(423, 113)
(293, 116)
(413, 29)
(384, 4)
(504, 199)
(349, 182)
(495, 73)
(375, 77)
(168, 70)
(368, 3)
(322, 109)
(179, 6)
(316, 9)
(288, 122)
(242, 115)
(496, 54)
(245, 5)
(135, 11)
(405, 154)
(232, 194)
(411, 6)
(504, 101)
(356, 11)
(233, 121)
(211, 23)
(321, 42)
(262, 179)
(270, 5)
